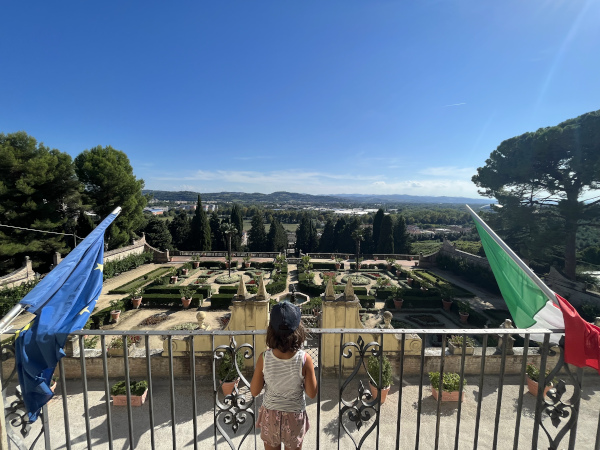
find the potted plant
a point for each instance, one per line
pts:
(396, 292)
(533, 375)
(227, 261)
(338, 262)
(196, 261)
(247, 261)
(114, 312)
(139, 390)
(455, 344)
(450, 386)
(174, 276)
(386, 376)
(390, 262)
(463, 311)
(135, 295)
(186, 296)
(227, 372)
(115, 348)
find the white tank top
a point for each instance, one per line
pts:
(284, 383)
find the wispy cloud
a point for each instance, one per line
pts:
(453, 104)
(449, 172)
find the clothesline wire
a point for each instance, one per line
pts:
(40, 231)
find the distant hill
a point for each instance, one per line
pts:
(283, 197)
(401, 198)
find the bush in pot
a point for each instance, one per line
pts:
(138, 389)
(186, 296)
(386, 376)
(455, 344)
(227, 372)
(533, 375)
(450, 386)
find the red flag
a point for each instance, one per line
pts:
(582, 339)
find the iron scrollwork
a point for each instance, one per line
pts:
(558, 408)
(363, 407)
(15, 413)
(236, 409)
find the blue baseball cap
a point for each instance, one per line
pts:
(285, 317)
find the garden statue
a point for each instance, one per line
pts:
(292, 293)
(201, 317)
(507, 324)
(387, 320)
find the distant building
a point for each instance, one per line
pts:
(155, 211)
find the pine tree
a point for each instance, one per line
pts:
(303, 234)
(256, 235)
(338, 233)
(386, 236)
(200, 239)
(157, 233)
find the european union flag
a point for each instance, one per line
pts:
(62, 303)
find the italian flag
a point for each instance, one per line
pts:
(533, 304)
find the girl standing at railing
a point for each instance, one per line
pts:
(286, 372)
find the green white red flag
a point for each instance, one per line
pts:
(533, 304)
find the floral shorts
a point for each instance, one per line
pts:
(279, 427)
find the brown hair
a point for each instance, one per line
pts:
(286, 342)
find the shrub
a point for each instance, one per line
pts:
(451, 381)
(226, 279)
(533, 372)
(112, 268)
(140, 281)
(386, 372)
(9, 297)
(221, 301)
(457, 340)
(366, 301)
(136, 387)
(276, 287)
(169, 300)
(226, 370)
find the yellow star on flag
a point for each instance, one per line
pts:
(84, 310)
(99, 267)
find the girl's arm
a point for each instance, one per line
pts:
(310, 380)
(258, 379)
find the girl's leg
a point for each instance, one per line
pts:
(268, 447)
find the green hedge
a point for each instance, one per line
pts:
(366, 301)
(168, 300)
(310, 289)
(221, 301)
(112, 268)
(204, 290)
(324, 266)
(140, 281)
(276, 287)
(9, 297)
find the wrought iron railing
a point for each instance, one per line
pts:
(361, 421)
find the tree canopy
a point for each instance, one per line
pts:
(257, 235)
(157, 233)
(39, 190)
(200, 233)
(108, 182)
(545, 179)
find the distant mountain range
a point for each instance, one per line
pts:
(295, 198)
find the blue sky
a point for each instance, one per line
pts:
(388, 97)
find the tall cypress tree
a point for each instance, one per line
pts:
(277, 237)
(180, 228)
(401, 244)
(256, 235)
(200, 230)
(326, 241)
(218, 241)
(238, 222)
(303, 234)
(377, 227)
(386, 236)
(338, 232)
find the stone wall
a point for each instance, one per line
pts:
(137, 248)
(448, 249)
(574, 291)
(19, 276)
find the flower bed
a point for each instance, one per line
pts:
(154, 319)
(425, 320)
(357, 280)
(225, 279)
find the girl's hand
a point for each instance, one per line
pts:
(258, 379)
(310, 380)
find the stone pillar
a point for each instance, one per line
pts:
(250, 315)
(56, 259)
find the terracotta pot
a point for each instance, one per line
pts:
(114, 315)
(228, 386)
(409, 281)
(226, 265)
(398, 303)
(457, 349)
(173, 279)
(185, 302)
(136, 400)
(184, 271)
(447, 304)
(136, 302)
(246, 265)
(384, 392)
(337, 266)
(532, 386)
(464, 317)
(448, 396)
(196, 264)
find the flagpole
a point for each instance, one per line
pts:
(545, 289)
